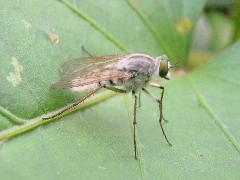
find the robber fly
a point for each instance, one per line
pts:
(129, 73)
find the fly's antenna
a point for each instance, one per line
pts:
(175, 65)
(86, 51)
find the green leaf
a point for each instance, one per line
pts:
(96, 142)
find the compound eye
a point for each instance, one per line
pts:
(163, 68)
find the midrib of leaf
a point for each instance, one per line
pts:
(150, 26)
(94, 24)
(139, 151)
(24, 125)
(213, 115)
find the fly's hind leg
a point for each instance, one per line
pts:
(73, 105)
(159, 101)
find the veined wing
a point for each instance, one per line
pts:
(77, 67)
(80, 73)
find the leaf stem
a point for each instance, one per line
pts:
(35, 122)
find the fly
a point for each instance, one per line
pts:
(119, 73)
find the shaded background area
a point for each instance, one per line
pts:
(217, 28)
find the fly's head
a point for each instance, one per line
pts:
(164, 66)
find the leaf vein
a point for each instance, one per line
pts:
(215, 118)
(94, 24)
(11, 117)
(150, 26)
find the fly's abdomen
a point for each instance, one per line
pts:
(116, 82)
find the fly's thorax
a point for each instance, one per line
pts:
(141, 67)
(138, 64)
(136, 83)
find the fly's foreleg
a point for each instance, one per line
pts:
(155, 85)
(159, 101)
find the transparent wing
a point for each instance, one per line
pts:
(78, 67)
(91, 70)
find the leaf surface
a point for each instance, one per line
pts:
(202, 108)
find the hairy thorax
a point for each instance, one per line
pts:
(135, 84)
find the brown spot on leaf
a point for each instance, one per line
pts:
(26, 23)
(53, 38)
(15, 77)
